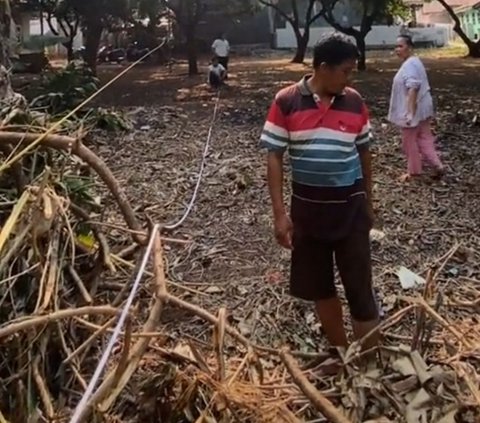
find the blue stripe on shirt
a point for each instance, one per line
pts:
(342, 179)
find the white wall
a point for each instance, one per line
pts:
(35, 29)
(379, 36)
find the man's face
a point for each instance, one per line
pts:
(337, 77)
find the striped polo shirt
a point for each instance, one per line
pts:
(322, 141)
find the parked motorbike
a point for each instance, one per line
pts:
(110, 54)
(134, 52)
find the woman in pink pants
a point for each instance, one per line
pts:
(411, 109)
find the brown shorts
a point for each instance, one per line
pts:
(312, 268)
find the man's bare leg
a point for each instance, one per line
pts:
(360, 329)
(330, 314)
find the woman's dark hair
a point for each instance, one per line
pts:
(408, 40)
(334, 50)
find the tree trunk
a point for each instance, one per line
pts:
(92, 42)
(302, 44)
(5, 23)
(362, 48)
(69, 47)
(474, 49)
(191, 51)
(473, 46)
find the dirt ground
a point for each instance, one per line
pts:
(231, 258)
(228, 257)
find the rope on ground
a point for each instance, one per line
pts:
(56, 125)
(116, 333)
(121, 321)
(202, 168)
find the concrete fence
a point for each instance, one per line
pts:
(381, 36)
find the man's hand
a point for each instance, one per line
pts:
(284, 231)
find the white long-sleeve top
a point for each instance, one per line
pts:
(412, 74)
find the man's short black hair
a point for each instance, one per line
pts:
(334, 49)
(408, 40)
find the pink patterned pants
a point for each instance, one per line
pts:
(419, 144)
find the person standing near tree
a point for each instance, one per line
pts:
(221, 49)
(411, 109)
(324, 125)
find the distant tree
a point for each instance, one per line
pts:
(371, 12)
(289, 10)
(188, 14)
(472, 45)
(5, 22)
(151, 9)
(97, 15)
(67, 19)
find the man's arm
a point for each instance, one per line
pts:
(282, 222)
(366, 163)
(275, 138)
(362, 142)
(275, 182)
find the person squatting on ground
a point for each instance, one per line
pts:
(324, 125)
(216, 74)
(411, 109)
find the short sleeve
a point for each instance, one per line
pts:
(411, 76)
(364, 138)
(275, 136)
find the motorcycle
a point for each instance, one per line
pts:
(110, 55)
(134, 53)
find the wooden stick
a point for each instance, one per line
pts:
(32, 322)
(420, 324)
(321, 403)
(42, 388)
(219, 342)
(80, 285)
(205, 315)
(107, 393)
(422, 303)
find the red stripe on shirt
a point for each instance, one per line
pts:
(332, 119)
(276, 116)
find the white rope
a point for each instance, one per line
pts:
(116, 333)
(202, 168)
(121, 321)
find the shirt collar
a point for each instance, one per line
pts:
(305, 89)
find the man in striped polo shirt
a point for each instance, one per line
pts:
(325, 127)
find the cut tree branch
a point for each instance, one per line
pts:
(30, 322)
(108, 392)
(75, 146)
(321, 403)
